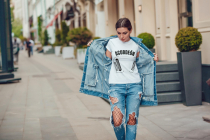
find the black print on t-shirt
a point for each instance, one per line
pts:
(126, 52)
(117, 65)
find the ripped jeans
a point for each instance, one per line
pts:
(121, 96)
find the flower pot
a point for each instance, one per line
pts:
(57, 50)
(190, 75)
(68, 52)
(81, 55)
(46, 48)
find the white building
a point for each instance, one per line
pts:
(161, 18)
(18, 13)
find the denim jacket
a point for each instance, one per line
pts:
(95, 80)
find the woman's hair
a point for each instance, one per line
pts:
(123, 22)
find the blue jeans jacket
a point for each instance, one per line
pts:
(95, 80)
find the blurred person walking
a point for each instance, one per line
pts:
(15, 51)
(32, 45)
(28, 47)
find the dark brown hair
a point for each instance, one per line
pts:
(123, 22)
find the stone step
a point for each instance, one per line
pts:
(167, 76)
(169, 97)
(166, 66)
(6, 75)
(168, 86)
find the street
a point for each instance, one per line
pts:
(46, 105)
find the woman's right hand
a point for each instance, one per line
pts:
(89, 43)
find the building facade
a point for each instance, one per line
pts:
(161, 18)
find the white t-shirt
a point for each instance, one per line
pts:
(123, 69)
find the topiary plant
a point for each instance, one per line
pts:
(188, 39)
(64, 32)
(148, 40)
(79, 36)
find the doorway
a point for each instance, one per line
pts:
(185, 13)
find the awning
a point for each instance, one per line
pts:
(51, 23)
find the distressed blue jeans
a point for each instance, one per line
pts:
(125, 96)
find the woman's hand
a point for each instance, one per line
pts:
(89, 43)
(155, 57)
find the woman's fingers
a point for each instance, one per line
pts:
(155, 57)
(89, 43)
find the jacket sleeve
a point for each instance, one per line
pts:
(92, 68)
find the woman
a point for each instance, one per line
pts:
(125, 83)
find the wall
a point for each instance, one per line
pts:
(201, 20)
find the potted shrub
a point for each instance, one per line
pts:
(58, 42)
(188, 41)
(80, 36)
(45, 42)
(148, 40)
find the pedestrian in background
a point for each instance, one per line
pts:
(15, 51)
(28, 47)
(32, 45)
(126, 87)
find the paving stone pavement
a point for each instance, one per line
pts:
(46, 105)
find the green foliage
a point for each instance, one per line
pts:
(96, 38)
(65, 30)
(188, 39)
(46, 38)
(79, 36)
(58, 41)
(148, 40)
(40, 28)
(12, 14)
(16, 27)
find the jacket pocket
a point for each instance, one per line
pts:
(148, 85)
(91, 76)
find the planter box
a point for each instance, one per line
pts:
(205, 86)
(68, 52)
(81, 55)
(46, 48)
(189, 66)
(57, 50)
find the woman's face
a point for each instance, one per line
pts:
(123, 34)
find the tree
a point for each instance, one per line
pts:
(65, 30)
(45, 38)
(17, 27)
(40, 28)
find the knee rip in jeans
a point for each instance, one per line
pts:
(117, 116)
(132, 119)
(113, 99)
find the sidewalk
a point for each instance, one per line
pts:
(46, 105)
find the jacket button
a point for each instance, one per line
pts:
(105, 79)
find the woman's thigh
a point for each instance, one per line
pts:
(117, 102)
(133, 100)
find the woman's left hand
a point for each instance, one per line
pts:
(155, 57)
